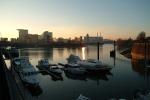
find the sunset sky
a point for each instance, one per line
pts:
(69, 18)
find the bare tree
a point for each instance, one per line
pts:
(141, 36)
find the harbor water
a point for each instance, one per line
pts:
(125, 78)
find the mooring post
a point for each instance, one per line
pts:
(114, 49)
(145, 51)
(98, 51)
(114, 46)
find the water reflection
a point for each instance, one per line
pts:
(83, 53)
(35, 53)
(140, 68)
(65, 89)
(60, 52)
(36, 91)
(90, 76)
(53, 77)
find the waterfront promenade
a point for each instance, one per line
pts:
(8, 87)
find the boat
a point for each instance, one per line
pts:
(55, 69)
(29, 77)
(75, 70)
(44, 64)
(25, 70)
(89, 65)
(72, 65)
(16, 62)
(81, 97)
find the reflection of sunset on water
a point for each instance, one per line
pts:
(83, 53)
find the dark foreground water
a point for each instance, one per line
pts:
(122, 81)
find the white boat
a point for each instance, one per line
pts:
(55, 69)
(90, 64)
(16, 63)
(29, 76)
(26, 71)
(81, 97)
(72, 65)
(43, 63)
(75, 70)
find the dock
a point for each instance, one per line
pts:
(11, 86)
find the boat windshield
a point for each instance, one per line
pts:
(73, 59)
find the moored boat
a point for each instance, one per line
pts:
(16, 63)
(44, 64)
(29, 77)
(26, 71)
(89, 65)
(55, 69)
(75, 70)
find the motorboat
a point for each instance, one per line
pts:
(90, 64)
(55, 69)
(72, 65)
(16, 63)
(26, 71)
(94, 65)
(43, 63)
(29, 76)
(75, 70)
(73, 59)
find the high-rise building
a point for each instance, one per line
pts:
(23, 35)
(46, 37)
(32, 38)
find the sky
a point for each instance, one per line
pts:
(72, 18)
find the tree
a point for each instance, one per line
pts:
(141, 36)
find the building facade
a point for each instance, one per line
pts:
(23, 35)
(92, 39)
(46, 37)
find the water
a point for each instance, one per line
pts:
(125, 78)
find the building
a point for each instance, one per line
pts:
(93, 39)
(23, 35)
(32, 38)
(46, 37)
(62, 40)
(4, 39)
(13, 40)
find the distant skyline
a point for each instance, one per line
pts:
(70, 18)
